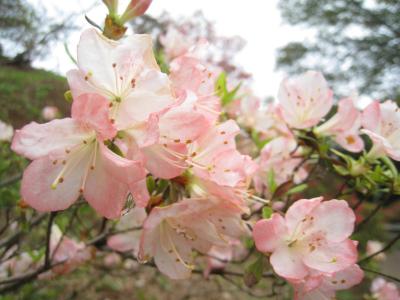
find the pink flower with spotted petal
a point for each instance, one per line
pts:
(276, 159)
(304, 100)
(66, 251)
(70, 158)
(381, 122)
(321, 286)
(127, 75)
(129, 240)
(171, 233)
(313, 236)
(344, 126)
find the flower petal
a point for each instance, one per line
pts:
(332, 257)
(268, 234)
(53, 138)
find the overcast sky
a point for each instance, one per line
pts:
(257, 21)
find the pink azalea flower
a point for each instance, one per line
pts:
(381, 122)
(6, 132)
(344, 126)
(219, 256)
(322, 286)
(313, 236)
(171, 233)
(174, 42)
(66, 251)
(129, 240)
(50, 113)
(70, 159)
(276, 157)
(195, 80)
(127, 75)
(186, 122)
(304, 100)
(16, 265)
(270, 123)
(383, 290)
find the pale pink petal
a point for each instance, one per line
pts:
(92, 110)
(335, 218)
(305, 99)
(332, 257)
(37, 181)
(345, 279)
(183, 125)
(299, 210)
(139, 192)
(269, 234)
(124, 242)
(102, 74)
(288, 263)
(162, 163)
(79, 86)
(121, 169)
(371, 116)
(103, 191)
(167, 260)
(53, 138)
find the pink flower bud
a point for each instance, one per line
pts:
(135, 8)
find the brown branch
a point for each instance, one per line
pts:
(381, 274)
(48, 239)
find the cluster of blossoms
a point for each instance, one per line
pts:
(134, 129)
(130, 120)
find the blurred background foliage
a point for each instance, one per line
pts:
(356, 42)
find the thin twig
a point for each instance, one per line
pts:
(48, 239)
(386, 248)
(381, 274)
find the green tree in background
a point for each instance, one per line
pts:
(356, 43)
(26, 32)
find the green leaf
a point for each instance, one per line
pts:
(271, 181)
(68, 96)
(253, 272)
(248, 243)
(341, 170)
(222, 90)
(151, 184)
(267, 212)
(297, 189)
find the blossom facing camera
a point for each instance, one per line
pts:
(304, 100)
(312, 237)
(70, 157)
(381, 122)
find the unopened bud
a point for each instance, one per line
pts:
(68, 96)
(135, 8)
